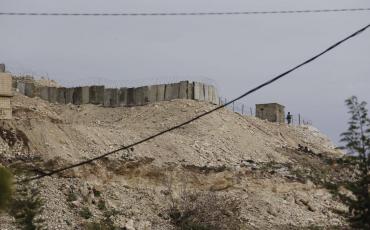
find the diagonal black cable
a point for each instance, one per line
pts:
(186, 13)
(201, 115)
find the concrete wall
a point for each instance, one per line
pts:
(113, 97)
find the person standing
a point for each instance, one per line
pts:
(289, 118)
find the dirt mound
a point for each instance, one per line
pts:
(273, 169)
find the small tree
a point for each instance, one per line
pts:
(357, 140)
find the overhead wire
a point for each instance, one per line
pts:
(214, 13)
(52, 172)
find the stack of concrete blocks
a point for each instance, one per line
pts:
(5, 94)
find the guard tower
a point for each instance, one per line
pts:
(5, 94)
(272, 112)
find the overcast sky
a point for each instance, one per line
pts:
(234, 52)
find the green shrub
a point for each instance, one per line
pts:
(85, 213)
(25, 206)
(6, 182)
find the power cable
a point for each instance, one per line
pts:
(185, 13)
(44, 174)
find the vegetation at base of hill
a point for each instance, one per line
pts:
(23, 202)
(357, 140)
(199, 210)
(6, 182)
(25, 207)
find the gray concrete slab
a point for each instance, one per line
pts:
(172, 91)
(111, 97)
(141, 95)
(29, 89)
(85, 97)
(183, 90)
(96, 94)
(210, 93)
(44, 93)
(122, 96)
(77, 96)
(196, 86)
(53, 94)
(69, 95)
(206, 96)
(21, 88)
(130, 97)
(216, 99)
(161, 89)
(61, 98)
(152, 93)
(191, 90)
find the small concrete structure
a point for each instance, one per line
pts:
(6, 85)
(272, 112)
(6, 93)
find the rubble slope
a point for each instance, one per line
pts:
(239, 156)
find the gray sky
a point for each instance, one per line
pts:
(234, 52)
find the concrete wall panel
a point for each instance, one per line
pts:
(215, 98)
(69, 95)
(122, 96)
(44, 93)
(152, 93)
(172, 91)
(210, 93)
(21, 88)
(183, 90)
(96, 94)
(111, 98)
(141, 95)
(161, 89)
(130, 96)
(191, 90)
(53, 94)
(61, 95)
(29, 89)
(206, 96)
(85, 95)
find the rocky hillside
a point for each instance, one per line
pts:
(262, 175)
